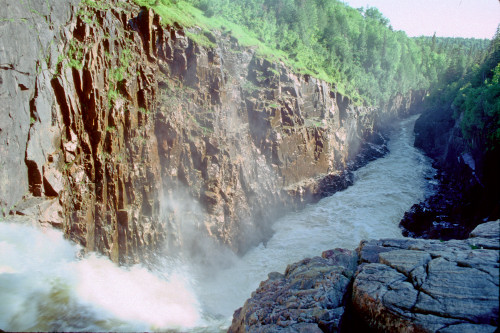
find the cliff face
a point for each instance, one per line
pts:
(31, 35)
(125, 133)
(468, 176)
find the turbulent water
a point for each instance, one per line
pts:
(45, 286)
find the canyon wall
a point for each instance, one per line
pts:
(469, 179)
(126, 134)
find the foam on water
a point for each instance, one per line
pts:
(370, 209)
(45, 287)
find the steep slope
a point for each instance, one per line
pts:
(139, 136)
(31, 40)
(460, 130)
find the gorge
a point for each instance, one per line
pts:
(120, 127)
(191, 291)
(192, 161)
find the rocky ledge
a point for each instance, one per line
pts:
(390, 285)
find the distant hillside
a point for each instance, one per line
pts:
(355, 49)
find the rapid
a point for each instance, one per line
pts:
(46, 285)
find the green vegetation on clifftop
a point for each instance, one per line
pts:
(354, 49)
(477, 101)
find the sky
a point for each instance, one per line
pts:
(448, 18)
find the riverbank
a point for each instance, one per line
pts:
(451, 213)
(468, 179)
(210, 283)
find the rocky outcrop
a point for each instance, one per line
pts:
(414, 285)
(401, 285)
(309, 297)
(129, 136)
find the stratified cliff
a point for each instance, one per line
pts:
(124, 132)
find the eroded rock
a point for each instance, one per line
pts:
(401, 285)
(309, 297)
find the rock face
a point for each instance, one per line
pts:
(469, 180)
(401, 285)
(31, 36)
(414, 285)
(130, 134)
(309, 297)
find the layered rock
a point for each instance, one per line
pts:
(401, 285)
(132, 134)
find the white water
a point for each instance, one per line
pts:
(45, 287)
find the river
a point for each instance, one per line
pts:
(45, 286)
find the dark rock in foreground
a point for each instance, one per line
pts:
(401, 285)
(308, 298)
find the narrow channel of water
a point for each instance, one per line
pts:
(45, 288)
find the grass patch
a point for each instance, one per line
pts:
(144, 111)
(188, 16)
(75, 55)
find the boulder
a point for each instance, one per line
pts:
(429, 285)
(401, 285)
(309, 297)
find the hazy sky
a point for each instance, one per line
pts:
(448, 18)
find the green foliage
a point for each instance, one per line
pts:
(112, 95)
(85, 11)
(200, 39)
(355, 49)
(480, 106)
(474, 97)
(75, 55)
(118, 73)
(96, 4)
(144, 111)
